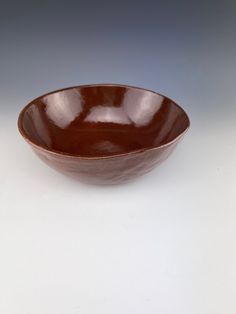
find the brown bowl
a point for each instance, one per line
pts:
(103, 133)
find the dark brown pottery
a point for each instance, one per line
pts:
(103, 133)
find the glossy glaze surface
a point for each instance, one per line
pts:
(88, 131)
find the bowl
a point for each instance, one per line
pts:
(103, 133)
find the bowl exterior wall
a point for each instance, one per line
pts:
(110, 170)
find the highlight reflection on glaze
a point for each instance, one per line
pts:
(107, 114)
(141, 107)
(64, 107)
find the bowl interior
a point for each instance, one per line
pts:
(101, 120)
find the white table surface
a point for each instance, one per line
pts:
(162, 244)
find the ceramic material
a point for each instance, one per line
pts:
(103, 133)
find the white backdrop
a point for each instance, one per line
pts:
(165, 243)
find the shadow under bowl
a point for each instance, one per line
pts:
(103, 133)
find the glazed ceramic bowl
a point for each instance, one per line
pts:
(103, 133)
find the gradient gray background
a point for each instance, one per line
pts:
(162, 244)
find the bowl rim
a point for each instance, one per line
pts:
(77, 156)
